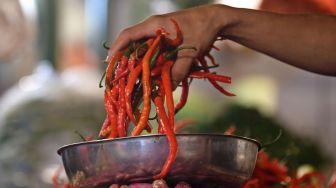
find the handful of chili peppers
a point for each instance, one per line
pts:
(139, 75)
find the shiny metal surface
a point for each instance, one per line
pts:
(204, 160)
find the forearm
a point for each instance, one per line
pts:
(305, 41)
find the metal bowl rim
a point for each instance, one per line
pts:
(59, 151)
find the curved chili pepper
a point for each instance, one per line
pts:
(123, 62)
(212, 59)
(109, 98)
(220, 88)
(213, 82)
(212, 76)
(146, 88)
(163, 120)
(184, 95)
(132, 78)
(149, 126)
(166, 83)
(179, 37)
(106, 129)
(110, 69)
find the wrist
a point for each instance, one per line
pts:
(226, 20)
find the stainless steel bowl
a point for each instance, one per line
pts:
(203, 160)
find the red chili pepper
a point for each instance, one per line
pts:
(56, 182)
(184, 95)
(109, 70)
(149, 126)
(161, 93)
(165, 57)
(163, 120)
(154, 58)
(113, 95)
(160, 59)
(269, 172)
(121, 120)
(213, 82)
(146, 88)
(156, 71)
(230, 131)
(143, 47)
(132, 78)
(252, 183)
(180, 124)
(212, 59)
(112, 115)
(106, 129)
(108, 73)
(124, 61)
(122, 75)
(166, 83)
(55, 177)
(220, 88)
(212, 76)
(131, 62)
(312, 179)
(179, 37)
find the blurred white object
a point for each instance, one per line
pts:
(28, 88)
(251, 4)
(18, 29)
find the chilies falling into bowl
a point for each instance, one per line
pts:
(202, 159)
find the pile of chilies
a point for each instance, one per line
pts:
(269, 173)
(140, 74)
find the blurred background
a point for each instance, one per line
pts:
(51, 62)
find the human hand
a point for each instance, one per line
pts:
(200, 27)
